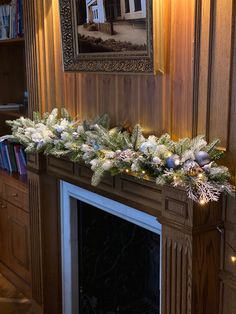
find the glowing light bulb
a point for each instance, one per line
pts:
(202, 201)
(177, 162)
(127, 170)
(200, 176)
(143, 172)
(169, 154)
(233, 259)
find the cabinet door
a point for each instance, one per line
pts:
(18, 242)
(4, 251)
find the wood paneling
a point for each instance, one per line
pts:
(31, 55)
(135, 98)
(15, 261)
(190, 240)
(221, 72)
(195, 95)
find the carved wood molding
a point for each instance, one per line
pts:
(30, 28)
(190, 240)
(35, 239)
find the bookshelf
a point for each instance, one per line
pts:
(14, 214)
(12, 61)
(12, 41)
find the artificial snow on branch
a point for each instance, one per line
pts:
(187, 163)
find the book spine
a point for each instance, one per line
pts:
(12, 157)
(17, 154)
(8, 157)
(1, 157)
(22, 161)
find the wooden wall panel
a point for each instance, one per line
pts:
(147, 100)
(221, 72)
(31, 55)
(207, 12)
(181, 66)
(196, 94)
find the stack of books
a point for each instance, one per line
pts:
(11, 20)
(12, 157)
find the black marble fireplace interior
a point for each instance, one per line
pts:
(119, 265)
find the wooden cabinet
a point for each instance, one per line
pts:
(15, 232)
(18, 241)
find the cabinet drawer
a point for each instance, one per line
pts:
(16, 196)
(18, 238)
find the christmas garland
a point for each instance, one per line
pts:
(187, 163)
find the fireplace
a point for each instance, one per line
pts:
(111, 255)
(190, 242)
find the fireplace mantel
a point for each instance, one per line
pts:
(190, 240)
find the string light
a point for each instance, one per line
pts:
(143, 172)
(127, 170)
(177, 162)
(233, 259)
(200, 175)
(202, 201)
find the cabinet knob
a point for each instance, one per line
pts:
(14, 195)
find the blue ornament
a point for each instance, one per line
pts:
(202, 158)
(172, 162)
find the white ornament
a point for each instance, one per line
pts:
(107, 165)
(156, 160)
(147, 148)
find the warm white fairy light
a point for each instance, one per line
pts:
(233, 259)
(177, 162)
(202, 201)
(58, 135)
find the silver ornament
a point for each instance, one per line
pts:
(202, 158)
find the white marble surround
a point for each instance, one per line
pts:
(69, 234)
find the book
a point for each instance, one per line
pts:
(12, 157)
(19, 160)
(9, 167)
(11, 20)
(4, 156)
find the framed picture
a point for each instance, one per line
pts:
(107, 35)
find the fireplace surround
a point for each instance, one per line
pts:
(69, 195)
(190, 242)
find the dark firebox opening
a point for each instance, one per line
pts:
(119, 265)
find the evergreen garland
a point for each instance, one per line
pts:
(187, 163)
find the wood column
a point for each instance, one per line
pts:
(45, 236)
(190, 255)
(31, 29)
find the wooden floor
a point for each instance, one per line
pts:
(13, 302)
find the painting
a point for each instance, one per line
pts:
(112, 26)
(107, 35)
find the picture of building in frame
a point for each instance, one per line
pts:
(112, 25)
